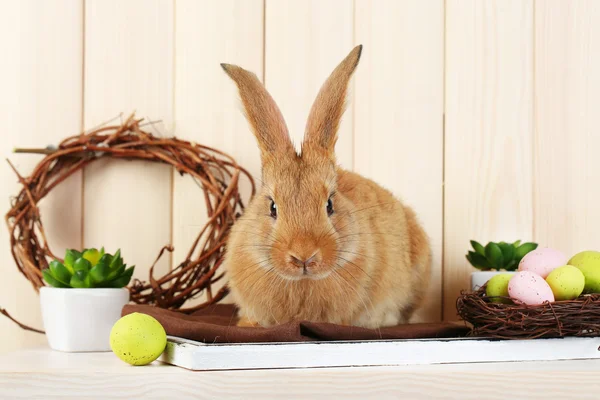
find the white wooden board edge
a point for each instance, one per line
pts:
(198, 356)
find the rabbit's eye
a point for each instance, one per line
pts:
(273, 209)
(329, 207)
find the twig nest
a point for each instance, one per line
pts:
(508, 320)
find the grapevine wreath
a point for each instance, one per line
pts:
(217, 174)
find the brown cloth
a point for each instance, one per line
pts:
(217, 324)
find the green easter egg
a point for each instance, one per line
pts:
(567, 282)
(588, 262)
(498, 286)
(138, 339)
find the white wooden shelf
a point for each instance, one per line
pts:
(199, 356)
(42, 373)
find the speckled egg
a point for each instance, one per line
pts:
(542, 261)
(529, 288)
(138, 339)
(497, 287)
(588, 262)
(566, 282)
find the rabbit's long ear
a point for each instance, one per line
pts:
(330, 104)
(262, 113)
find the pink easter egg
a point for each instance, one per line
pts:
(529, 288)
(543, 261)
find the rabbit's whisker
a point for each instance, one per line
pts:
(361, 298)
(372, 281)
(268, 236)
(252, 271)
(348, 213)
(378, 259)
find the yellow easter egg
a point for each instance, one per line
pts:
(588, 263)
(566, 282)
(138, 339)
(497, 286)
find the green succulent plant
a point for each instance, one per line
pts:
(91, 268)
(499, 256)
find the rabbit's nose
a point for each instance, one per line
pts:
(302, 262)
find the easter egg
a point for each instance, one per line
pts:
(542, 261)
(566, 282)
(497, 286)
(138, 339)
(529, 288)
(588, 263)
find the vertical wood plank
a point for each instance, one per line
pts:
(208, 110)
(567, 94)
(40, 104)
(489, 131)
(129, 67)
(399, 112)
(305, 40)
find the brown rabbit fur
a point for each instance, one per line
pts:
(319, 243)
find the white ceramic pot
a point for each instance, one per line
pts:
(479, 278)
(81, 319)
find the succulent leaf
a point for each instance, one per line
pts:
(523, 249)
(50, 280)
(493, 253)
(116, 273)
(478, 247)
(88, 269)
(117, 261)
(81, 264)
(70, 257)
(106, 259)
(511, 266)
(60, 272)
(99, 272)
(508, 253)
(80, 279)
(499, 256)
(478, 261)
(92, 255)
(122, 280)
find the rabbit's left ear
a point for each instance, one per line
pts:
(329, 106)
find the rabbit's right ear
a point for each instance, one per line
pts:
(262, 113)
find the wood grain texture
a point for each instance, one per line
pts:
(129, 67)
(399, 113)
(40, 103)
(305, 41)
(208, 109)
(567, 98)
(43, 373)
(489, 131)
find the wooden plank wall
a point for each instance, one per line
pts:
(479, 114)
(205, 99)
(488, 131)
(566, 139)
(398, 112)
(40, 103)
(128, 66)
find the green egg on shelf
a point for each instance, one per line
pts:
(138, 339)
(567, 282)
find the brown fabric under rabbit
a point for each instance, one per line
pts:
(217, 324)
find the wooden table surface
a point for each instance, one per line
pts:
(43, 373)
